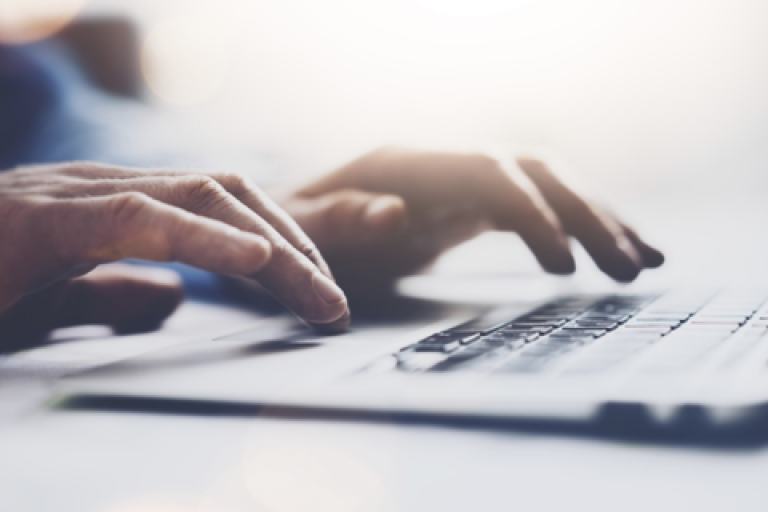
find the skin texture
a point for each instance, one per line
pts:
(394, 211)
(383, 216)
(59, 222)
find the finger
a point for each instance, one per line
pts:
(351, 218)
(648, 255)
(259, 202)
(601, 236)
(236, 185)
(129, 299)
(290, 275)
(516, 205)
(133, 225)
(652, 257)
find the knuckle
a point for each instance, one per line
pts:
(233, 181)
(127, 207)
(488, 172)
(579, 214)
(346, 209)
(84, 168)
(203, 189)
(484, 163)
(386, 150)
(310, 250)
(76, 168)
(530, 164)
(293, 255)
(240, 186)
(281, 249)
(579, 206)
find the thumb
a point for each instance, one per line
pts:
(350, 218)
(126, 298)
(130, 299)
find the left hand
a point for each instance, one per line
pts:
(128, 298)
(392, 212)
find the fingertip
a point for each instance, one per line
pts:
(627, 276)
(385, 215)
(653, 258)
(330, 310)
(338, 326)
(623, 270)
(621, 260)
(557, 257)
(562, 264)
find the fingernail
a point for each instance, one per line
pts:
(336, 327)
(327, 289)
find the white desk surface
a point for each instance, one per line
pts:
(99, 461)
(81, 461)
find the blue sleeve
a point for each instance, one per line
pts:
(50, 113)
(28, 96)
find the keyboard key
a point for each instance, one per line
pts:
(555, 321)
(437, 344)
(532, 328)
(470, 339)
(499, 341)
(682, 329)
(660, 317)
(511, 336)
(649, 328)
(696, 321)
(592, 324)
(595, 333)
(572, 337)
(657, 321)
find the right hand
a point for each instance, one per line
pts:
(58, 222)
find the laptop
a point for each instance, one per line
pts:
(655, 359)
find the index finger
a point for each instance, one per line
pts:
(241, 188)
(133, 225)
(251, 196)
(516, 205)
(602, 237)
(289, 275)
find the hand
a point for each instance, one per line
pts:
(59, 222)
(391, 212)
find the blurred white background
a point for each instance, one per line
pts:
(634, 93)
(661, 104)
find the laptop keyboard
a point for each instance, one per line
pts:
(592, 334)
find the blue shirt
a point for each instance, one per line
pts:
(49, 113)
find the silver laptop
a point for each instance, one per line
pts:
(658, 359)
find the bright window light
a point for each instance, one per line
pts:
(22, 21)
(185, 60)
(475, 8)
